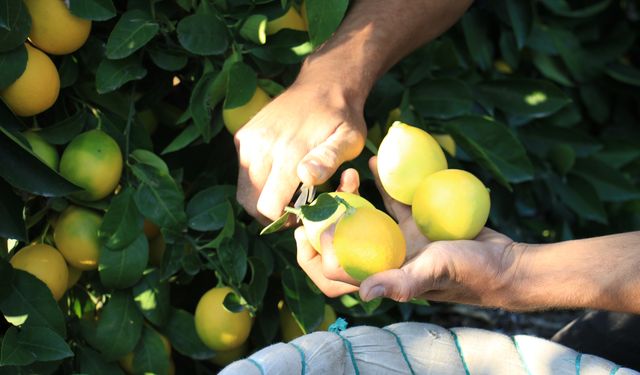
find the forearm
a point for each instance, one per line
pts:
(600, 273)
(376, 34)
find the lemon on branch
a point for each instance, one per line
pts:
(46, 263)
(217, 327)
(54, 29)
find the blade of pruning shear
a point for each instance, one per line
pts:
(307, 194)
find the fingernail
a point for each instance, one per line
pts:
(315, 169)
(375, 292)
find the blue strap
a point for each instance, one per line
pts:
(578, 363)
(404, 354)
(524, 364)
(614, 370)
(257, 365)
(459, 349)
(302, 359)
(338, 326)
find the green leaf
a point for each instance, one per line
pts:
(65, 130)
(540, 137)
(15, 24)
(6, 278)
(257, 288)
(168, 59)
(23, 170)
(610, 184)
(254, 29)
(324, 17)
(551, 69)
(112, 74)
(521, 18)
(91, 362)
(31, 344)
(477, 38)
(233, 302)
(207, 210)
(12, 224)
(203, 34)
(13, 63)
(184, 139)
(561, 8)
(493, 146)
(31, 303)
(124, 267)
(95, 10)
(241, 85)
(119, 327)
(276, 225)
(321, 208)
(134, 29)
(525, 97)
(122, 223)
(181, 331)
(306, 305)
(233, 257)
(158, 197)
(68, 71)
(202, 102)
(624, 73)
(152, 297)
(151, 159)
(150, 355)
(581, 197)
(442, 98)
(596, 102)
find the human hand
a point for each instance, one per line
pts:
(475, 271)
(303, 135)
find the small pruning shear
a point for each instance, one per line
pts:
(306, 194)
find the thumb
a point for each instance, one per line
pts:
(323, 160)
(397, 284)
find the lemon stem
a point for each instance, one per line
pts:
(293, 210)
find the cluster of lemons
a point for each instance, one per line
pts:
(55, 31)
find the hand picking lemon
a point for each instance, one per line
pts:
(46, 263)
(451, 205)
(406, 156)
(217, 327)
(368, 241)
(314, 229)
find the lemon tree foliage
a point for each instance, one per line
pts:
(539, 98)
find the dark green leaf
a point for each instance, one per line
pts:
(15, 24)
(276, 225)
(442, 98)
(134, 29)
(158, 197)
(65, 130)
(96, 10)
(596, 102)
(233, 302)
(184, 139)
(477, 38)
(119, 327)
(324, 17)
(624, 73)
(526, 97)
(168, 59)
(254, 28)
(561, 8)
(6, 278)
(241, 85)
(207, 210)
(321, 208)
(306, 305)
(40, 342)
(551, 69)
(22, 169)
(610, 184)
(494, 146)
(521, 18)
(92, 363)
(123, 268)
(257, 288)
(31, 300)
(225, 233)
(151, 159)
(202, 102)
(13, 63)
(68, 71)
(233, 257)
(540, 138)
(12, 223)
(152, 297)
(203, 34)
(581, 197)
(181, 331)
(112, 74)
(122, 223)
(150, 355)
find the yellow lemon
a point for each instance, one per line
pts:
(93, 162)
(313, 229)
(225, 357)
(368, 241)
(451, 205)
(291, 330)
(290, 20)
(74, 276)
(447, 143)
(217, 327)
(76, 236)
(46, 152)
(235, 118)
(36, 89)
(46, 263)
(54, 29)
(406, 156)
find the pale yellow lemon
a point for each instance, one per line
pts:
(45, 151)
(76, 236)
(217, 327)
(54, 29)
(46, 263)
(290, 20)
(235, 118)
